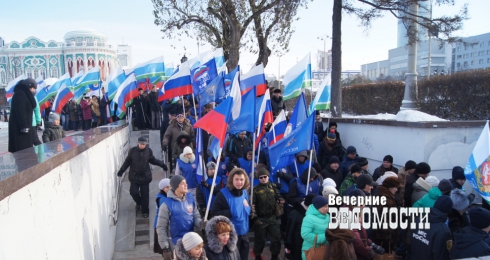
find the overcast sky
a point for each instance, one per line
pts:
(131, 22)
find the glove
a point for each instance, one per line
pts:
(24, 130)
(203, 224)
(377, 249)
(204, 183)
(167, 255)
(164, 167)
(164, 147)
(119, 173)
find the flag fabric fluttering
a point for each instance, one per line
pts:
(40, 83)
(297, 78)
(322, 98)
(178, 84)
(300, 139)
(236, 95)
(9, 90)
(254, 78)
(299, 114)
(221, 114)
(246, 121)
(116, 78)
(44, 95)
(200, 171)
(210, 92)
(219, 59)
(75, 79)
(82, 86)
(150, 69)
(125, 94)
(214, 148)
(264, 116)
(277, 129)
(203, 70)
(62, 98)
(477, 169)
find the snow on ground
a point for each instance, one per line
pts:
(405, 115)
(4, 125)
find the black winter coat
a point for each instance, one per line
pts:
(236, 148)
(277, 104)
(407, 197)
(432, 243)
(21, 112)
(139, 162)
(52, 132)
(294, 240)
(154, 106)
(324, 153)
(456, 221)
(336, 176)
(470, 242)
(380, 171)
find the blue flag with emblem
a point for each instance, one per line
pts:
(300, 139)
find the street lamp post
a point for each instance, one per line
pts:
(411, 75)
(324, 39)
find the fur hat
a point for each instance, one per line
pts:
(163, 183)
(388, 158)
(479, 217)
(329, 190)
(391, 182)
(460, 200)
(329, 182)
(350, 150)
(384, 176)
(458, 173)
(433, 181)
(444, 204)
(445, 186)
(422, 168)
(362, 161)
(187, 150)
(191, 240)
(410, 165)
(53, 116)
(210, 165)
(175, 181)
(319, 202)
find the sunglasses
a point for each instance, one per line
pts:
(263, 177)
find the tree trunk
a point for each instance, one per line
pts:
(336, 101)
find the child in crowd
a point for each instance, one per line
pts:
(53, 130)
(190, 247)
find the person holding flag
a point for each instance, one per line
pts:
(204, 188)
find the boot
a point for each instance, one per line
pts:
(258, 257)
(274, 257)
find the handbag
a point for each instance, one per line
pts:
(279, 209)
(316, 253)
(385, 256)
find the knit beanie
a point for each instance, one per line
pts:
(191, 240)
(445, 186)
(433, 181)
(460, 200)
(388, 158)
(331, 135)
(187, 150)
(329, 182)
(351, 149)
(142, 139)
(334, 159)
(458, 173)
(53, 117)
(163, 183)
(444, 204)
(355, 168)
(175, 181)
(319, 202)
(362, 161)
(410, 165)
(261, 172)
(479, 217)
(422, 168)
(211, 165)
(363, 180)
(357, 193)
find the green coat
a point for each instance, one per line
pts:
(429, 199)
(349, 181)
(314, 223)
(36, 119)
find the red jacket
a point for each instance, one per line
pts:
(86, 109)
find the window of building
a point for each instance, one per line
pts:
(458, 57)
(472, 62)
(29, 73)
(481, 53)
(465, 55)
(54, 72)
(459, 48)
(465, 64)
(3, 79)
(488, 52)
(482, 44)
(480, 61)
(488, 60)
(458, 64)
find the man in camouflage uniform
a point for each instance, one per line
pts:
(265, 198)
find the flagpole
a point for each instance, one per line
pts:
(183, 107)
(309, 172)
(212, 189)
(194, 103)
(296, 166)
(252, 171)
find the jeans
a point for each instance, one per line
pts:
(95, 119)
(74, 125)
(155, 119)
(141, 195)
(243, 246)
(64, 121)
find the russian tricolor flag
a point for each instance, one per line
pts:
(264, 116)
(64, 95)
(216, 121)
(44, 95)
(278, 129)
(125, 94)
(10, 86)
(254, 78)
(116, 78)
(178, 84)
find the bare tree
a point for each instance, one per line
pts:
(441, 28)
(226, 24)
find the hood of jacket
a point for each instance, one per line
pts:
(213, 240)
(455, 184)
(304, 175)
(437, 216)
(182, 254)
(53, 126)
(435, 193)
(468, 236)
(313, 211)
(187, 160)
(185, 135)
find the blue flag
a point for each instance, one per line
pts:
(202, 75)
(209, 93)
(299, 113)
(214, 148)
(199, 172)
(246, 121)
(300, 139)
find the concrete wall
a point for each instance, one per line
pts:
(66, 213)
(442, 145)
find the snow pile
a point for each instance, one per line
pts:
(405, 115)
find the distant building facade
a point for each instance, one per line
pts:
(474, 53)
(81, 50)
(324, 60)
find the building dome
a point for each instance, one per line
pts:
(84, 33)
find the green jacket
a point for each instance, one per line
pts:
(429, 199)
(264, 199)
(348, 182)
(36, 119)
(314, 223)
